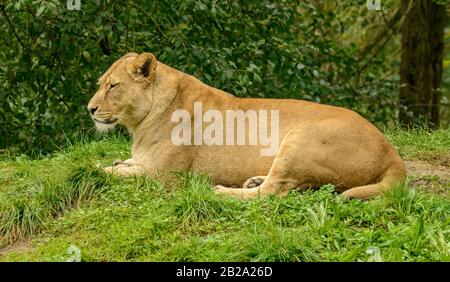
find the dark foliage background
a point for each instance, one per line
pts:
(51, 57)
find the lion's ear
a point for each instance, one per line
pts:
(143, 68)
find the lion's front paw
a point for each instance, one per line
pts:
(108, 169)
(254, 181)
(125, 169)
(116, 168)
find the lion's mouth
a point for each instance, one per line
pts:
(106, 121)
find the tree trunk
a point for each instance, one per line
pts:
(421, 62)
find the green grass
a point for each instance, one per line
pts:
(64, 200)
(419, 144)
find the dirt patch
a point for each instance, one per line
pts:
(18, 247)
(435, 158)
(422, 168)
(435, 178)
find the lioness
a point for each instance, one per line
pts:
(319, 144)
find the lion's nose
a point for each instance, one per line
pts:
(92, 109)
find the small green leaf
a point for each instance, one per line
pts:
(257, 78)
(29, 104)
(87, 56)
(40, 11)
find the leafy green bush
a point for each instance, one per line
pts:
(52, 57)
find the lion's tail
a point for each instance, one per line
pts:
(395, 175)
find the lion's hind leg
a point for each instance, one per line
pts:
(239, 193)
(254, 181)
(279, 182)
(273, 185)
(395, 176)
(285, 174)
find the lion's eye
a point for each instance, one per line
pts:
(112, 86)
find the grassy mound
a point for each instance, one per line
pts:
(65, 201)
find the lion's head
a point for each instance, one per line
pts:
(122, 97)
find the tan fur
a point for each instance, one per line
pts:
(319, 144)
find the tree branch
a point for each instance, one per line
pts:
(11, 26)
(402, 19)
(390, 24)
